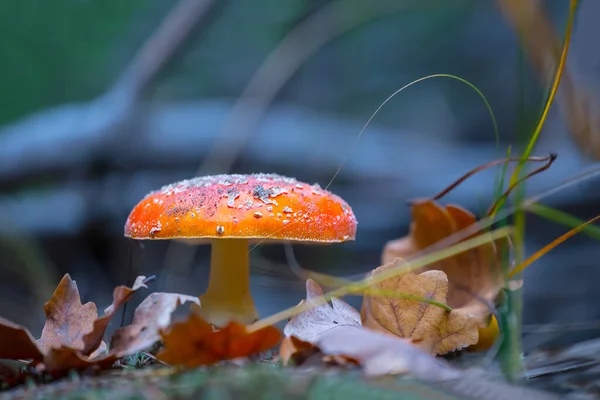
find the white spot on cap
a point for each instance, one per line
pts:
(220, 229)
(258, 214)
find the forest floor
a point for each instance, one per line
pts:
(267, 380)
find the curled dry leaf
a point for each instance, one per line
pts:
(194, 342)
(292, 348)
(121, 295)
(382, 354)
(349, 342)
(17, 342)
(72, 331)
(67, 320)
(310, 324)
(475, 276)
(150, 316)
(428, 326)
(59, 361)
(101, 351)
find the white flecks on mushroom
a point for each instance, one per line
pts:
(258, 214)
(299, 186)
(193, 214)
(225, 182)
(155, 229)
(276, 191)
(220, 229)
(259, 192)
(269, 208)
(285, 221)
(231, 196)
(287, 210)
(279, 215)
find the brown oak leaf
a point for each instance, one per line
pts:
(121, 295)
(475, 276)
(72, 335)
(17, 342)
(67, 320)
(194, 342)
(428, 326)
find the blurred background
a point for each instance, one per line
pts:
(104, 101)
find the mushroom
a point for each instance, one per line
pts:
(231, 212)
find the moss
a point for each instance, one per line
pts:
(254, 382)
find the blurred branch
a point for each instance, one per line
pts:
(295, 49)
(162, 45)
(542, 45)
(68, 136)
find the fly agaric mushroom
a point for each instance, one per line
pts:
(231, 212)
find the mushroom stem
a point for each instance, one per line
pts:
(228, 295)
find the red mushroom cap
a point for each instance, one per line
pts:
(257, 206)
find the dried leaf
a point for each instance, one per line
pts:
(100, 352)
(292, 348)
(72, 331)
(121, 295)
(349, 343)
(427, 326)
(17, 342)
(475, 276)
(310, 324)
(67, 320)
(150, 316)
(194, 342)
(59, 361)
(383, 354)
